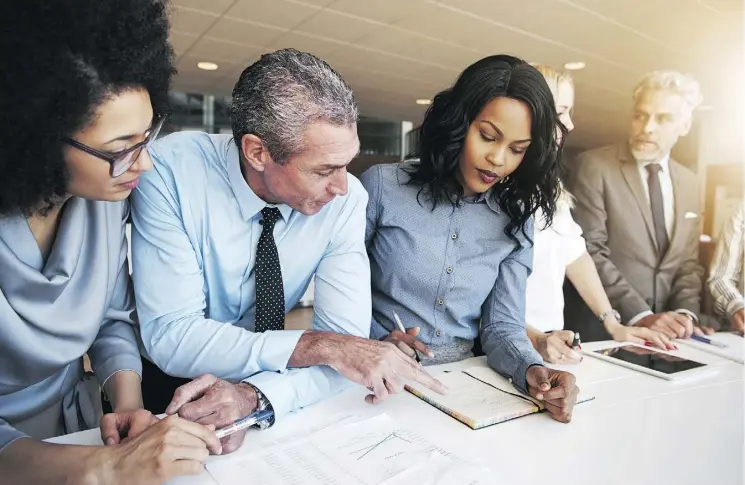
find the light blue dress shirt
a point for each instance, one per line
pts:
(451, 271)
(196, 229)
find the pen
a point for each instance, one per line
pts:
(245, 422)
(708, 341)
(403, 329)
(576, 343)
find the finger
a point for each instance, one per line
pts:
(140, 422)
(186, 451)
(559, 413)
(189, 392)
(393, 385)
(677, 327)
(412, 342)
(204, 433)
(687, 324)
(110, 429)
(670, 328)
(697, 331)
(404, 347)
(186, 467)
(413, 331)
(566, 336)
(708, 331)
(571, 356)
(380, 393)
(555, 393)
(233, 442)
(538, 382)
(416, 373)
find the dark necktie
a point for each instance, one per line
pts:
(658, 207)
(270, 294)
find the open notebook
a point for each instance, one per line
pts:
(480, 397)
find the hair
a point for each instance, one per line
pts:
(61, 59)
(554, 78)
(682, 84)
(281, 94)
(535, 182)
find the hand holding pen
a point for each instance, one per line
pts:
(406, 340)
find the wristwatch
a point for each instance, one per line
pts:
(262, 404)
(608, 313)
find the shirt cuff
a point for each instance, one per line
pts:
(636, 319)
(103, 384)
(106, 369)
(276, 350)
(278, 390)
(9, 435)
(734, 307)
(689, 313)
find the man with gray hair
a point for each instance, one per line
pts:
(639, 210)
(229, 230)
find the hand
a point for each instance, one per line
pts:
(738, 320)
(556, 347)
(555, 388)
(407, 342)
(672, 324)
(170, 448)
(377, 365)
(701, 330)
(209, 400)
(116, 427)
(641, 335)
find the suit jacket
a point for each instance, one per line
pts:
(614, 212)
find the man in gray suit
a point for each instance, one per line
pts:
(639, 210)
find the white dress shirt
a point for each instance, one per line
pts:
(668, 202)
(554, 249)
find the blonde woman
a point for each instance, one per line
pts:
(560, 251)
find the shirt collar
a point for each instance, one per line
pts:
(488, 197)
(664, 162)
(249, 203)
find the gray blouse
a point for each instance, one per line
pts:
(52, 313)
(450, 271)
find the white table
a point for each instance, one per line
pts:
(638, 430)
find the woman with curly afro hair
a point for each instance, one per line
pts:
(83, 92)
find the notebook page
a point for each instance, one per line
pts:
(474, 402)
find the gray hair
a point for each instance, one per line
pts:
(281, 94)
(683, 85)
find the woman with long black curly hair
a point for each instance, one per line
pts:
(449, 234)
(83, 92)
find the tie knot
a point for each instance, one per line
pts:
(270, 215)
(654, 168)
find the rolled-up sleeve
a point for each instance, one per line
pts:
(503, 337)
(115, 347)
(8, 434)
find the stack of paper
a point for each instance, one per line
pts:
(373, 451)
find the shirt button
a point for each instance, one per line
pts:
(450, 270)
(440, 302)
(454, 236)
(438, 333)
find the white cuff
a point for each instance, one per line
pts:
(689, 313)
(636, 319)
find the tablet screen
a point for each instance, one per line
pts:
(650, 358)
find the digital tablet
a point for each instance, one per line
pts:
(652, 361)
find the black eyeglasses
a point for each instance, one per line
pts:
(122, 161)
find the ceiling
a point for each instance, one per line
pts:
(393, 52)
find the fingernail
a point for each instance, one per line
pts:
(219, 451)
(539, 396)
(109, 441)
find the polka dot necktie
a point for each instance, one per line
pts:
(270, 294)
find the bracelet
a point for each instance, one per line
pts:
(608, 313)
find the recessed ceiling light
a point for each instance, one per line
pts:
(705, 107)
(207, 66)
(424, 101)
(574, 66)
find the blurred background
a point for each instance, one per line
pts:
(397, 54)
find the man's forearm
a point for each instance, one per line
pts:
(318, 348)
